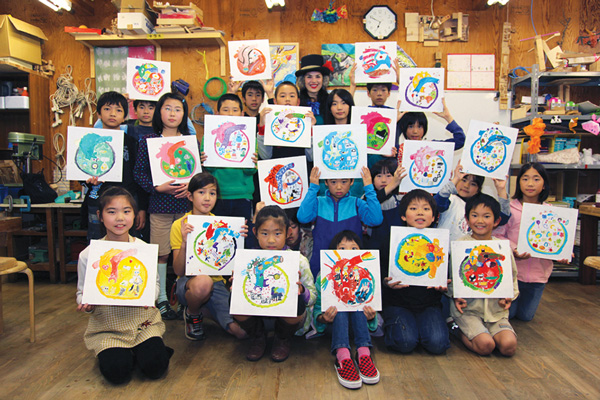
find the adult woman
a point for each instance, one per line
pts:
(313, 79)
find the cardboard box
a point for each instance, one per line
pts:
(20, 40)
(136, 6)
(181, 15)
(134, 22)
(16, 102)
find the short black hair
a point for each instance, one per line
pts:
(268, 212)
(388, 85)
(542, 171)
(136, 103)
(157, 123)
(386, 164)
(410, 118)
(201, 180)
(345, 235)
(252, 85)
(482, 199)
(346, 98)
(229, 96)
(286, 83)
(292, 214)
(112, 98)
(418, 194)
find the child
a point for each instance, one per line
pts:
(142, 126)
(362, 323)
(386, 178)
(379, 93)
(338, 110)
(270, 227)
(412, 314)
(313, 78)
(299, 237)
(168, 201)
(484, 322)
(337, 211)
(194, 292)
(533, 273)
(122, 336)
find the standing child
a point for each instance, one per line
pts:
(195, 292)
(270, 228)
(362, 323)
(168, 201)
(122, 336)
(484, 322)
(144, 110)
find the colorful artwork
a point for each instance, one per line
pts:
(381, 128)
(283, 182)
(340, 150)
(213, 244)
(174, 158)
(490, 149)
(419, 257)
(250, 59)
(120, 273)
(404, 60)
(284, 62)
(482, 269)
(422, 89)
(94, 153)
(375, 62)
(148, 79)
(288, 126)
(427, 164)
(350, 279)
(229, 141)
(547, 232)
(264, 283)
(341, 57)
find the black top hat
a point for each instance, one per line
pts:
(314, 62)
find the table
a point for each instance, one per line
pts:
(589, 215)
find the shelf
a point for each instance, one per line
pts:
(558, 78)
(545, 117)
(75, 233)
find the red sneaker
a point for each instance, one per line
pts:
(347, 374)
(367, 370)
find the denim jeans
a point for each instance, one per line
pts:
(525, 306)
(404, 329)
(340, 332)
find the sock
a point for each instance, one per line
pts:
(363, 351)
(162, 278)
(342, 354)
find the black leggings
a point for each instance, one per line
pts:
(152, 356)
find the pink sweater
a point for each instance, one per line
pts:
(532, 269)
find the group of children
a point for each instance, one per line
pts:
(337, 219)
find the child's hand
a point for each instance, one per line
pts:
(312, 118)
(140, 220)
(440, 288)
(366, 176)
(259, 206)
(85, 307)
(254, 158)
(460, 304)
(522, 256)
(501, 187)
(565, 261)
(233, 86)
(203, 157)
(92, 181)
(369, 312)
(329, 315)
(314, 175)
(458, 174)
(353, 75)
(269, 85)
(396, 68)
(244, 229)
(177, 190)
(181, 191)
(300, 285)
(400, 113)
(397, 178)
(185, 230)
(263, 115)
(393, 285)
(505, 303)
(445, 113)
(230, 280)
(394, 152)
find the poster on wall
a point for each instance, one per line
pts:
(148, 79)
(428, 165)
(375, 61)
(341, 57)
(173, 158)
(94, 153)
(340, 151)
(288, 126)
(229, 141)
(421, 89)
(249, 59)
(285, 61)
(283, 182)
(381, 127)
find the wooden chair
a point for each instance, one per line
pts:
(9, 265)
(592, 261)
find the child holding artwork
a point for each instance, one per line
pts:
(122, 336)
(533, 273)
(484, 322)
(362, 323)
(270, 228)
(337, 210)
(168, 201)
(195, 292)
(386, 178)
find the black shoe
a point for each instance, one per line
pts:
(193, 326)
(166, 312)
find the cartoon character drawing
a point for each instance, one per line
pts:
(148, 80)
(340, 153)
(176, 161)
(265, 283)
(422, 92)
(482, 270)
(250, 60)
(376, 62)
(120, 275)
(231, 143)
(95, 156)
(288, 125)
(378, 129)
(285, 184)
(352, 284)
(547, 233)
(216, 245)
(489, 151)
(428, 168)
(417, 255)
(283, 63)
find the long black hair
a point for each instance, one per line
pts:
(157, 123)
(542, 171)
(346, 98)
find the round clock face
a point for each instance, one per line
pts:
(380, 22)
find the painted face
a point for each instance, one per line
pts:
(287, 96)
(467, 187)
(253, 99)
(293, 235)
(171, 113)
(145, 112)
(203, 199)
(230, 107)
(419, 214)
(415, 131)
(481, 221)
(271, 234)
(382, 179)
(340, 110)
(112, 116)
(346, 244)
(379, 95)
(117, 217)
(338, 187)
(313, 81)
(532, 185)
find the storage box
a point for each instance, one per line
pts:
(180, 15)
(20, 40)
(134, 22)
(136, 6)
(16, 102)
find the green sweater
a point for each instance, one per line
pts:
(234, 183)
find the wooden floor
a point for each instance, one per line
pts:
(558, 358)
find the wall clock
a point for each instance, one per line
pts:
(380, 22)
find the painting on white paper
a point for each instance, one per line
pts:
(284, 62)
(288, 126)
(121, 274)
(249, 59)
(212, 246)
(283, 182)
(229, 141)
(381, 128)
(375, 61)
(419, 257)
(350, 279)
(547, 232)
(148, 79)
(264, 283)
(428, 165)
(340, 151)
(173, 158)
(488, 149)
(94, 153)
(421, 89)
(482, 269)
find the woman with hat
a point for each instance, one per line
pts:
(313, 79)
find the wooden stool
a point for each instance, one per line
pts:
(592, 262)
(9, 265)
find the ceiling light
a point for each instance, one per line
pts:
(501, 2)
(271, 3)
(56, 5)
